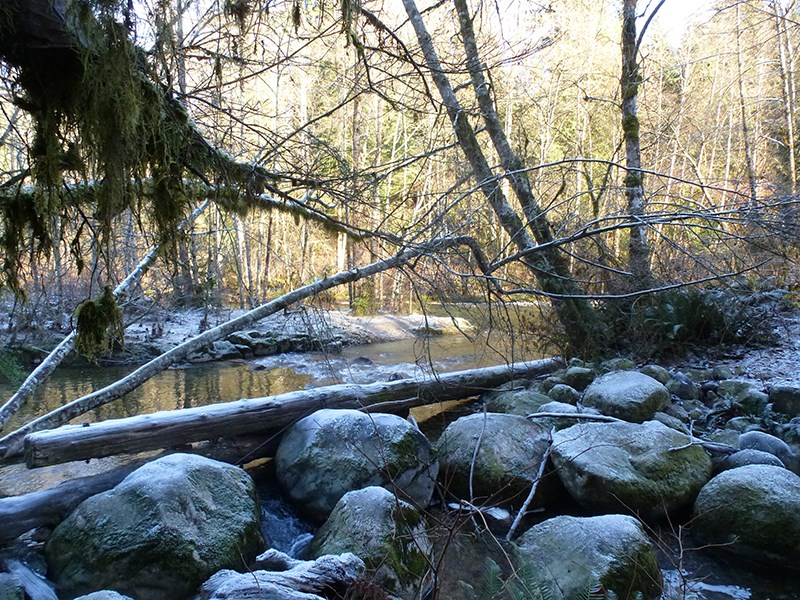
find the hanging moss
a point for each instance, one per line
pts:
(99, 326)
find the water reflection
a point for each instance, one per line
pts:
(169, 390)
(199, 385)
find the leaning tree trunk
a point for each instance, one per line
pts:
(638, 248)
(580, 322)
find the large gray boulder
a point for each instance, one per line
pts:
(627, 395)
(332, 452)
(752, 511)
(160, 533)
(648, 469)
(509, 448)
(389, 535)
(569, 556)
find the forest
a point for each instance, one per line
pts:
(598, 179)
(526, 153)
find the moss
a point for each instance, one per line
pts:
(630, 125)
(99, 325)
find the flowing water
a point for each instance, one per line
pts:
(702, 576)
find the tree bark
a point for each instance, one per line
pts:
(11, 444)
(638, 248)
(168, 429)
(280, 577)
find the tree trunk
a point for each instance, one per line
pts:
(279, 577)
(577, 317)
(168, 429)
(638, 249)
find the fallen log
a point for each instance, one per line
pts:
(279, 577)
(47, 508)
(168, 429)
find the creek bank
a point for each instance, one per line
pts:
(300, 330)
(715, 410)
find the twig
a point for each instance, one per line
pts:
(532, 493)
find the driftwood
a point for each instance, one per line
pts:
(280, 577)
(168, 429)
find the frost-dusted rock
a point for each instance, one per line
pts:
(161, 532)
(11, 588)
(570, 555)
(389, 535)
(627, 395)
(753, 511)
(742, 458)
(629, 467)
(681, 386)
(759, 440)
(657, 372)
(510, 449)
(579, 377)
(332, 452)
(104, 595)
(785, 398)
(561, 392)
(516, 402)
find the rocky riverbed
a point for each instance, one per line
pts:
(555, 485)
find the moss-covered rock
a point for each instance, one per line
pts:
(386, 533)
(752, 511)
(569, 556)
(627, 395)
(648, 468)
(502, 453)
(516, 402)
(160, 533)
(332, 452)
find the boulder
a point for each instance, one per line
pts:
(629, 467)
(752, 511)
(746, 457)
(578, 377)
(627, 395)
(160, 533)
(510, 449)
(516, 402)
(759, 440)
(785, 399)
(332, 452)
(561, 392)
(682, 387)
(389, 535)
(11, 588)
(657, 372)
(569, 556)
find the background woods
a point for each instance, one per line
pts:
(587, 163)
